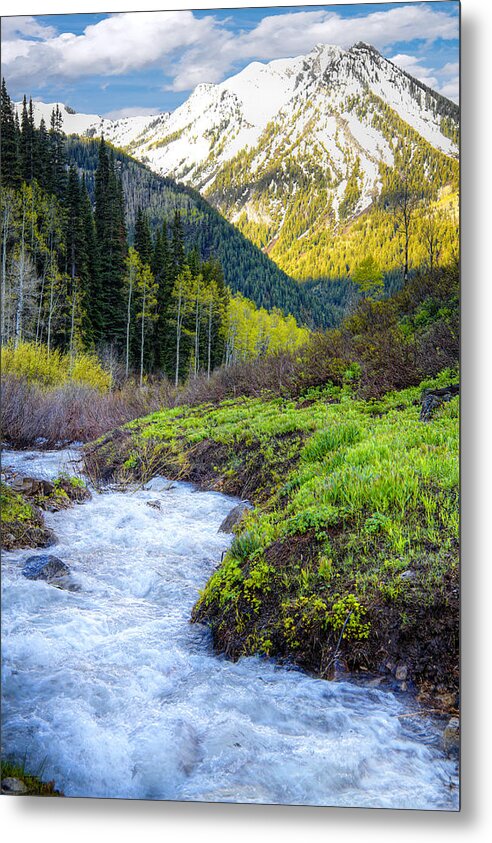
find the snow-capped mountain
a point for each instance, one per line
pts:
(311, 132)
(121, 132)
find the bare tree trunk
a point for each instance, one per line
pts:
(128, 316)
(142, 338)
(5, 234)
(197, 328)
(209, 350)
(178, 340)
(74, 297)
(20, 294)
(40, 307)
(51, 304)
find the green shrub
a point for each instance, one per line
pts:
(36, 364)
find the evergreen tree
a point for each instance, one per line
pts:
(27, 141)
(94, 303)
(11, 175)
(178, 248)
(57, 174)
(111, 246)
(143, 237)
(79, 268)
(163, 273)
(42, 155)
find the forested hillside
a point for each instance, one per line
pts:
(246, 269)
(85, 267)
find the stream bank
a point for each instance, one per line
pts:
(350, 559)
(112, 688)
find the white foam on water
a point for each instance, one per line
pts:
(115, 694)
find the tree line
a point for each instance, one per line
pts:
(73, 279)
(70, 278)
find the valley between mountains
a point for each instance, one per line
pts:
(259, 294)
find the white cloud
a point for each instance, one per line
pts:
(192, 50)
(414, 66)
(452, 68)
(300, 31)
(451, 89)
(444, 80)
(119, 44)
(295, 33)
(16, 27)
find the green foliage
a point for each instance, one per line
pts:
(247, 270)
(52, 368)
(252, 332)
(346, 615)
(368, 276)
(32, 781)
(13, 507)
(370, 494)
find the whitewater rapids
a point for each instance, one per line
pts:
(113, 693)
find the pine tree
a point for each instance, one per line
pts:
(162, 269)
(94, 295)
(111, 246)
(143, 237)
(27, 141)
(146, 289)
(10, 171)
(42, 155)
(178, 249)
(78, 261)
(57, 175)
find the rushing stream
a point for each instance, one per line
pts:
(113, 692)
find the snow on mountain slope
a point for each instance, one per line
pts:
(120, 132)
(284, 147)
(218, 121)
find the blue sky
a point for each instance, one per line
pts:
(146, 62)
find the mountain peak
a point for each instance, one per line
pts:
(323, 55)
(363, 47)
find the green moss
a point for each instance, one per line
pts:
(14, 509)
(22, 524)
(64, 480)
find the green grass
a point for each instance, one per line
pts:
(350, 495)
(33, 782)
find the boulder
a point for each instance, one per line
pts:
(47, 567)
(13, 786)
(234, 517)
(159, 484)
(32, 486)
(433, 398)
(76, 491)
(154, 504)
(451, 735)
(401, 672)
